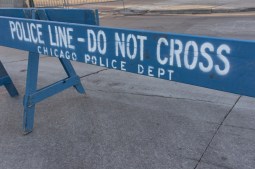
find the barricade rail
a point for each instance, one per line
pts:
(216, 63)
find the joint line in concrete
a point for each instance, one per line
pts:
(225, 117)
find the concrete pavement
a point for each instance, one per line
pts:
(136, 7)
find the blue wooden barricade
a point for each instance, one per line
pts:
(32, 95)
(215, 63)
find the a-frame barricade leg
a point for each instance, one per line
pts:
(7, 82)
(71, 73)
(34, 96)
(31, 86)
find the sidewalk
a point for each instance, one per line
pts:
(180, 6)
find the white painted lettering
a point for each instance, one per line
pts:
(161, 72)
(141, 39)
(159, 59)
(226, 49)
(176, 52)
(122, 66)
(120, 44)
(191, 44)
(150, 71)
(101, 35)
(134, 42)
(209, 66)
(91, 40)
(140, 69)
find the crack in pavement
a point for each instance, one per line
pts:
(15, 61)
(217, 165)
(94, 73)
(149, 95)
(225, 117)
(240, 127)
(166, 97)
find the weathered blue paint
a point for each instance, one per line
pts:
(216, 63)
(7, 82)
(85, 16)
(31, 87)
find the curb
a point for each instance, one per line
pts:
(133, 11)
(233, 10)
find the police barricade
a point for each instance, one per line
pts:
(215, 63)
(28, 34)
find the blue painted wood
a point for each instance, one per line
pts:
(3, 72)
(84, 16)
(43, 15)
(53, 89)
(6, 81)
(32, 95)
(216, 63)
(31, 87)
(63, 15)
(72, 74)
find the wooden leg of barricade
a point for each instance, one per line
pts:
(11, 89)
(33, 95)
(7, 82)
(70, 73)
(31, 86)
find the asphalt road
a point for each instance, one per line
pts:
(238, 25)
(127, 121)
